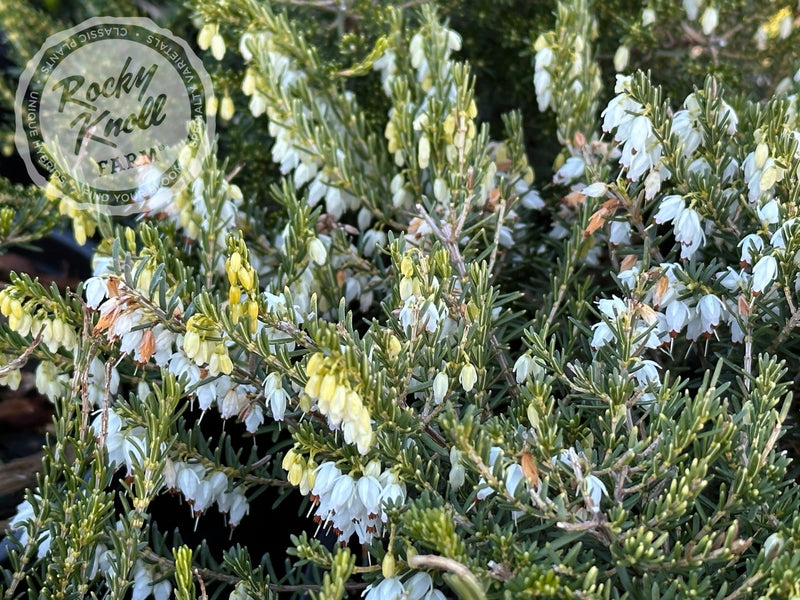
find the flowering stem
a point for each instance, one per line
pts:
(451, 243)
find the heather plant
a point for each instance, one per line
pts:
(476, 382)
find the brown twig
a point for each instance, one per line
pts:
(20, 361)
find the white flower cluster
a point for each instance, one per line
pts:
(231, 398)
(355, 506)
(422, 60)
(561, 62)
(592, 487)
(666, 311)
(421, 310)
(188, 204)
(687, 123)
(358, 284)
(11, 378)
(759, 259)
(429, 52)
(417, 587)
(273, 87)
(513, 476)
(144, 576)
(125, 320)
(686, 222)
(642, 156)
(125, 445)
(641, 150)
(202, 489)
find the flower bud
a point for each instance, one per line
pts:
(424, 152)
(621, 58)
(388, 565)
(440, 384)
(226, 109)
(317, 251)
(468, 377)
(248, 83)
(211, 106)
(217, 46)
(205, 35)
(709, 20)
(773, 545)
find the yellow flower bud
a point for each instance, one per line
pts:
(245, 274)
(313, 384)
(234, 263)
(449, 126)
(5, 304)
(191, 343)
(289, 459)
(328, 387)
(204, 37)
(406, 287)
(235, 294)
(252, 310)
(16, 308)
(51, 192)
(394, 347)
(407, 266)
(314, 364)
(248, 83)
(57, 326)
(308, 480)
(212, 104)
(225, 364)
(388, 565)
(79, 230)
(295, 473)
(226, 108)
